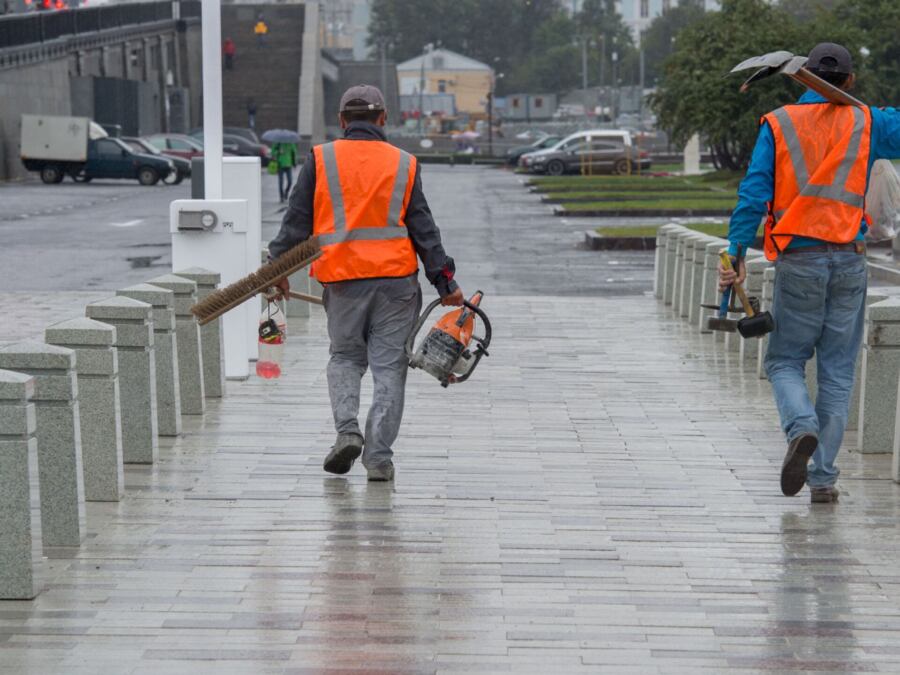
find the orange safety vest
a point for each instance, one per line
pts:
(359, 208)
(821, 162)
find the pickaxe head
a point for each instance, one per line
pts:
(791, 66)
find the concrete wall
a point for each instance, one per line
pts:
(40, 88)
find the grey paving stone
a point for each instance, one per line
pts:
(99, 405)
(21, 561)
(165, 354)
(190, 354)
(58, 437)
(137, 374)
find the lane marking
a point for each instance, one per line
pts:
(130, 223)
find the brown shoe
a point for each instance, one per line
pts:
(824, 495)
(793, 471)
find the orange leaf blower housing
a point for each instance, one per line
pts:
(445, 353)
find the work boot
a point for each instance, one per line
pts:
(382, 473)
(824, 495)
(343, 453)
(793, 471)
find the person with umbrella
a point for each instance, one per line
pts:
(284, 155)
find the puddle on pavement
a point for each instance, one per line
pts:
(144, 261)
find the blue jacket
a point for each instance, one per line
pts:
(758, 186)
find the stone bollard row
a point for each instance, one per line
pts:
(94, 396)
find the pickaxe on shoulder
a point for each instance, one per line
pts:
(793, 67)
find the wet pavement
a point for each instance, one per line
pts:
(601, 497)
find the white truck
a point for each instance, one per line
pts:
(57, 146)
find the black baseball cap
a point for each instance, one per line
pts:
(362, 97)
(828, 57)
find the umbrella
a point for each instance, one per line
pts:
(281, 136)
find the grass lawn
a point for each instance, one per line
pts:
(711, 181)
(674, 203)
(635, 195)
(712, 229)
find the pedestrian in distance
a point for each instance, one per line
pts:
(807, 182)
(285, 157)
(261, 29)
(251, 113)
(228, 51)
(362, 197)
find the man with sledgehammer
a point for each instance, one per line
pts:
(807, 182)
(362, 197)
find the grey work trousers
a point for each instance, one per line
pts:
(369, 321)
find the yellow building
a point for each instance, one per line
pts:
(446, 72)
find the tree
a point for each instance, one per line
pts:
(696, 96)
(658, 40)
(602, 25)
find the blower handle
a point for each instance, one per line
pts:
(483, 342)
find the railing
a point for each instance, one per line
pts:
(18, 29)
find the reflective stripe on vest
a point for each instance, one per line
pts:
(361, 195)
(820, 173)
(393, 230)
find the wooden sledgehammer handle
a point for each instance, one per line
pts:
(303, 296)
(738, 288)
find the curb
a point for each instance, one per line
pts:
(597, 242)
(641, 213)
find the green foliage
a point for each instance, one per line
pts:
(696, 95)
(658, 41)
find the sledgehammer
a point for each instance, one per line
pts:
(754, 324)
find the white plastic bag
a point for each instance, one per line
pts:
(883, 201)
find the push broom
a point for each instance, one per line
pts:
(222, 300)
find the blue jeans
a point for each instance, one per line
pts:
(284, 192)
(818, 306)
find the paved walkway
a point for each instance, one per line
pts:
(601, 497)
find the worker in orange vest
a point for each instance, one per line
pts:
(806, 184)
(363, 198)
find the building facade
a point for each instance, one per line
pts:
(639, 14)
(442, 71)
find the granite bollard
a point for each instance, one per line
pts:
(693, 277)
(765, 304)
(710, 293)
(659, 259)
(190, 356)
(756, 268)
(137, 374)
(671, 249)
(678, 273)
(165, 354)
(96, 366)
(872, 296)
(880, 372)
(210, 334)
(696, 294)
(58, 434)
(680, 303)
(21, 555)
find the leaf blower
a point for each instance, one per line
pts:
(445, 353)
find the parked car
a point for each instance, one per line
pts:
(531, 134)
(176, 145)
(513, 154)
(598, 151)
(244, 132)
(57, 146)
(240, 146)
(182, 166)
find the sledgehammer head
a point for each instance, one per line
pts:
(721, 324)
(756, 326)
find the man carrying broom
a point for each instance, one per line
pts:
(362, 197)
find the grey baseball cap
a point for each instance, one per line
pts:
(362, 97)
(828, 57)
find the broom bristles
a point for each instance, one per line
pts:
(220, 301)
